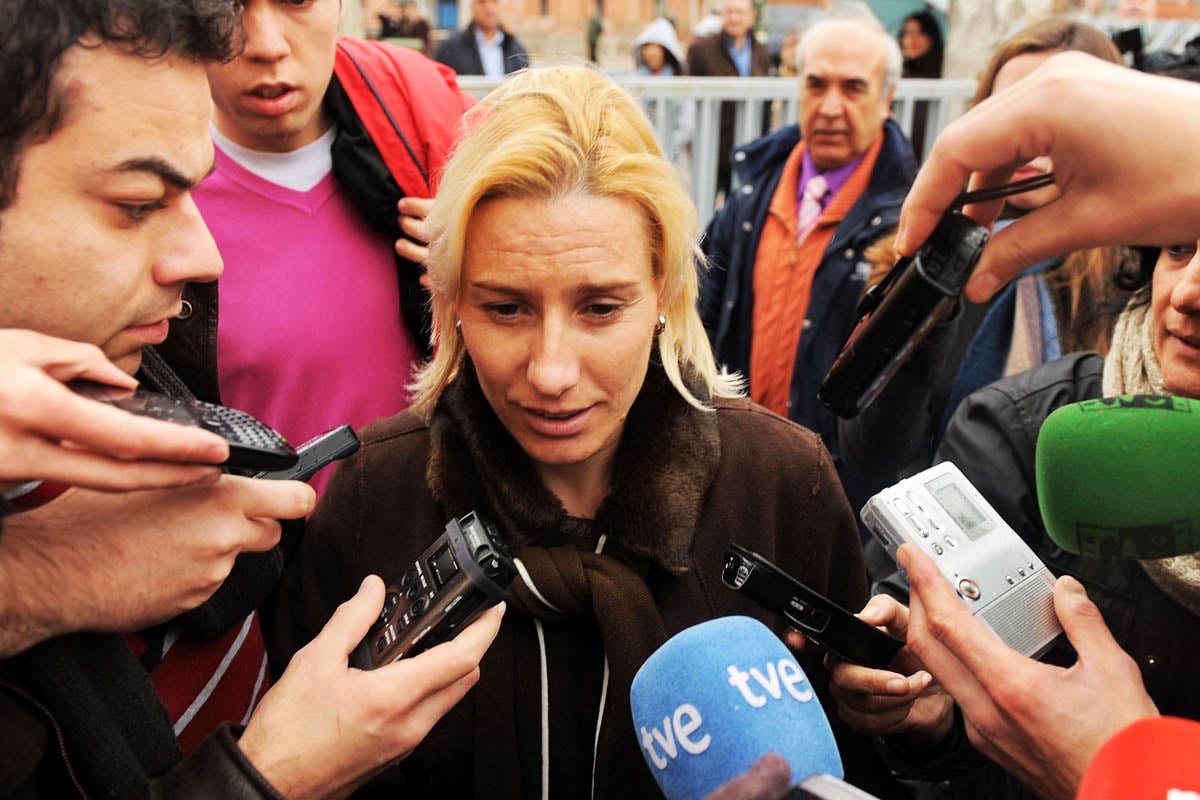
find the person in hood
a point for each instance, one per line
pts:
(657, 53)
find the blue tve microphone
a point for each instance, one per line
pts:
(716, 697)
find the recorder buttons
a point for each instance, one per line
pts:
(920, 511)
(457, 612)
(410, 577)
(968, 588)
(389, 608)
(819, 618)
(492, 567)
(912, 520)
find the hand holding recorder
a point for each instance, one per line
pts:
(1041, 722)
(466, 570)
(1097, 122)
(49, 433)
(997, 575)
(98, 561)
(326, 727)
(819, 618)
(902, 698)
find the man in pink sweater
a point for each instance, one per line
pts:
(320, 321)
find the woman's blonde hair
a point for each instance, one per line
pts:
(552, 132)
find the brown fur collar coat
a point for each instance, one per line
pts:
(665, 463)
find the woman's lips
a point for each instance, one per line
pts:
(1189, 344)
(557, 424)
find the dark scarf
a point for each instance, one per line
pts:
(665, 462)
(928, 65)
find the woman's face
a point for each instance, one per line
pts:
(914, 42)
(1013, 70)
(558, 305)
(1175, 303)
(653, 56)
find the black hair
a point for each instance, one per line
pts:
(928, 65)
(35, 34)
(1137, 271)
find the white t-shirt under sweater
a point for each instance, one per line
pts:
(310, 334)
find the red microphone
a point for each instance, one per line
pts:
(1153, 759)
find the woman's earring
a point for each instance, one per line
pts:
(458, 327)
(661, 326)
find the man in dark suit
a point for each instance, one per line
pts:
(484, 47)
(731, 52)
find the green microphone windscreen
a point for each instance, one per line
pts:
(1119, 477)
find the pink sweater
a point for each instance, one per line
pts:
(310, 334)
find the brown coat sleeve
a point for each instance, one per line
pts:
(777, 493)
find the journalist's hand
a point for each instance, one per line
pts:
(120, 562)
(1123, 145)
(49, 432)
(1041, 722)
(904, 699)
(326, 727)
(769, 778)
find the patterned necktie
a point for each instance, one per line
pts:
(810, 206)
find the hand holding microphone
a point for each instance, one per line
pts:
(718, 696)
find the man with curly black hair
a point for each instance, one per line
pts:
(134, 661)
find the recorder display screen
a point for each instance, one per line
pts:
(959, 507)
(443, 565)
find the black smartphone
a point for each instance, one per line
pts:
(466, 571)
(816, 616)
(316, 454)
(253, 445)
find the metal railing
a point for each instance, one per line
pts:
(778, 97)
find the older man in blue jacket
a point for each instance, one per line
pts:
(786, 251)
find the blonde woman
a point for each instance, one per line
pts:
(574, 401)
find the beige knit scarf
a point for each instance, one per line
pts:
(1132, 367)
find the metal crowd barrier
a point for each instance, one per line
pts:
(777, 97)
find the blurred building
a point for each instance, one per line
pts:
(555, 31)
